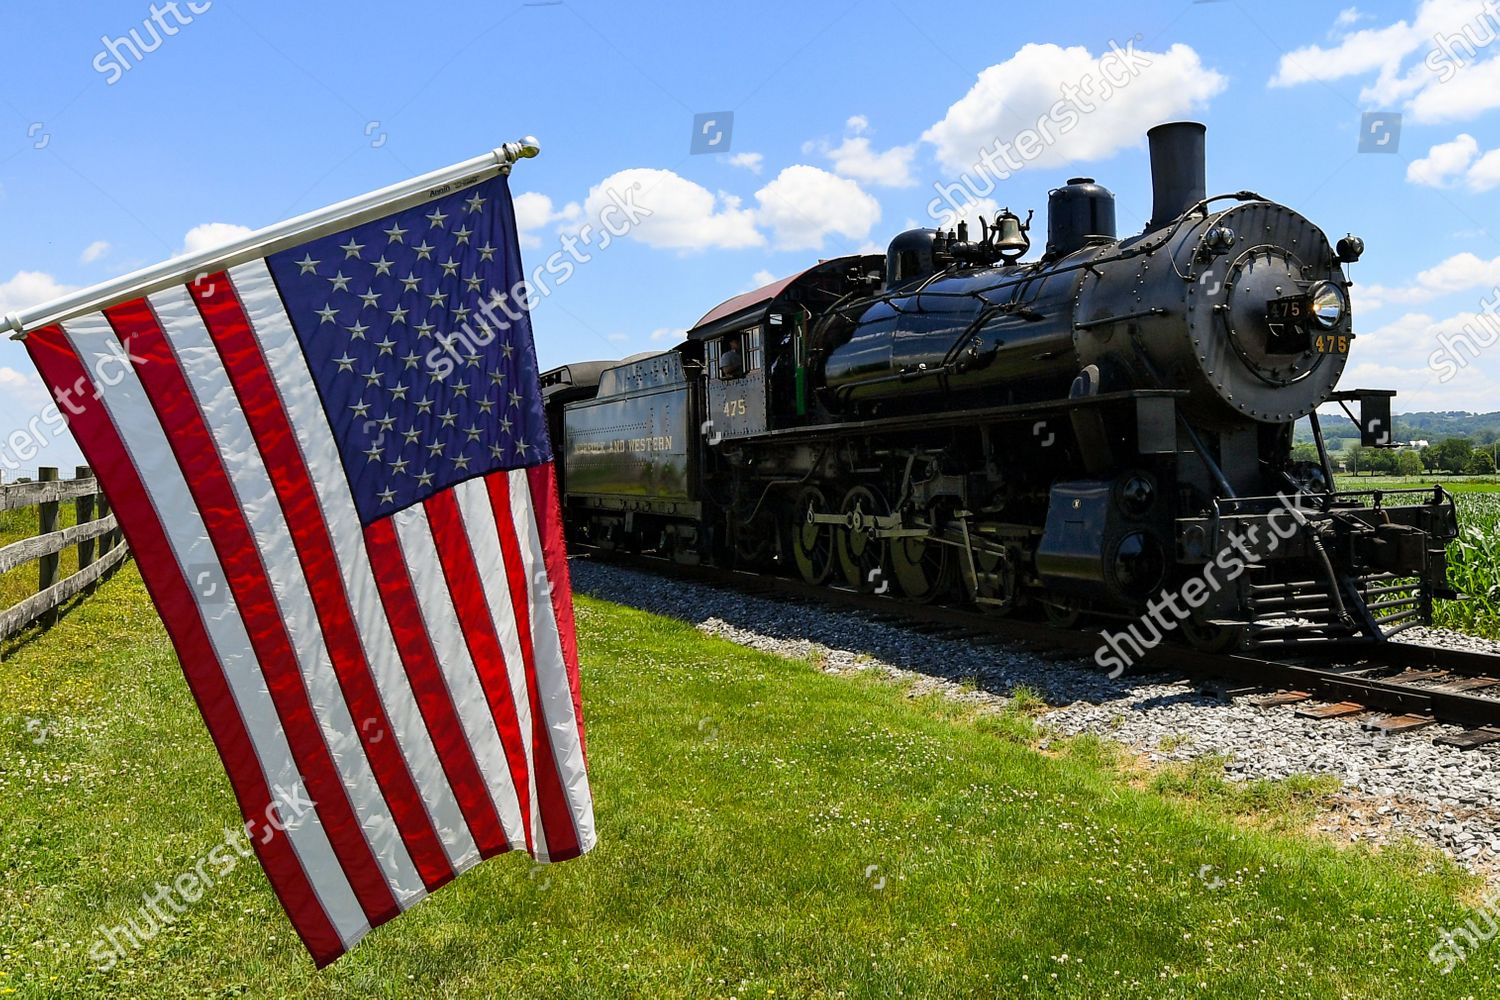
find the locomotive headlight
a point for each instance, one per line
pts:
(1328, 303)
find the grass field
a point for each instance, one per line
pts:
(767, 830)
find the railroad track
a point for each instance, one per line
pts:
(1389, 687)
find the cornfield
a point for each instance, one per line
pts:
(1474, 567)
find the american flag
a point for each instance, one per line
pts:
(347, 516)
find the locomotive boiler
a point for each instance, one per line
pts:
(1085, 433)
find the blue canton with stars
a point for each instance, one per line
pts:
(422, 387)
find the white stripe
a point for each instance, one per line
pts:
(147, 448)
(417, 547)
(551, 668)
(235, 443)
(484, 539)
(299, 397)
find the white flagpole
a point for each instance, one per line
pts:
(267, 241)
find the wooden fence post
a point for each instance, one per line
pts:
(83, 507)
(47, 523)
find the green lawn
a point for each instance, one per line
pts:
(766, 831)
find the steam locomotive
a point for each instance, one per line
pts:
(1080, 435)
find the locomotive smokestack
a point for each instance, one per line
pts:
(1178, 181)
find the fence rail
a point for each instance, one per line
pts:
(101, 547)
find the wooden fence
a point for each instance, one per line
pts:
(101, 548)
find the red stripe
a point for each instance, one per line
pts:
(240, 351)
(248, 579)
(547, 508)
(467, 591)
(174, 599)
(557, 815)
(433, 697)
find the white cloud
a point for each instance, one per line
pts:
(1485, 173)
(1444, 162)
(683, 215)
(93, 251)
(669, 333)
(855, 158)
(1349, 16)
(969, 210)
(212, 234)
(29, 288)
(804, 205)
(1041, 93)
(534, 212)
(1459, 273)
(762, 279)
(750, 161)
(25, 388)
(1434, 65)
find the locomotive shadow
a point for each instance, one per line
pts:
(848, 641)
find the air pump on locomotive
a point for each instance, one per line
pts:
(1076, 434)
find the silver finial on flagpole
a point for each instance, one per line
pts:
(523, 149)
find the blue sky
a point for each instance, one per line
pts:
(844, 117)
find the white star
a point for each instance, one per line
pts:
(449, 266)
(472, 360)
(474, 282)
(462, 313)
(486, 405)
(396, 233)
(473, 433)
(351, 249)
(357, 331)
(339, 282)
(387, 495)
(360, 408)
(399, 465)
(423, 405)
(462, 463)
(382, 266)
(438, 298)
(411, 281)
(436, 217)
(521, 446)
(308, 265)
(372, 377)
(386, 346)
(425, 329)
(372, 454)
(328, 313)
(496, 451)
(460, 388)
(398, 315)
(424, 478)
(412, 435)
(476, 203)
(505, 425)
(486, 252)
(515, 398)
(346, 363)
(462, 235)
(371, 299)
(507, 348)
(436, 448)
(411, 360)
(424, 252)
(497, 376)
(386, 422)
(447, 418)
(398, 391)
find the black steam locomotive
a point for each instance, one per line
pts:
(1086, 434)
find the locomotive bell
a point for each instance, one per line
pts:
(1010, 235)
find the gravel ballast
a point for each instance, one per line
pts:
(1394, 786)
